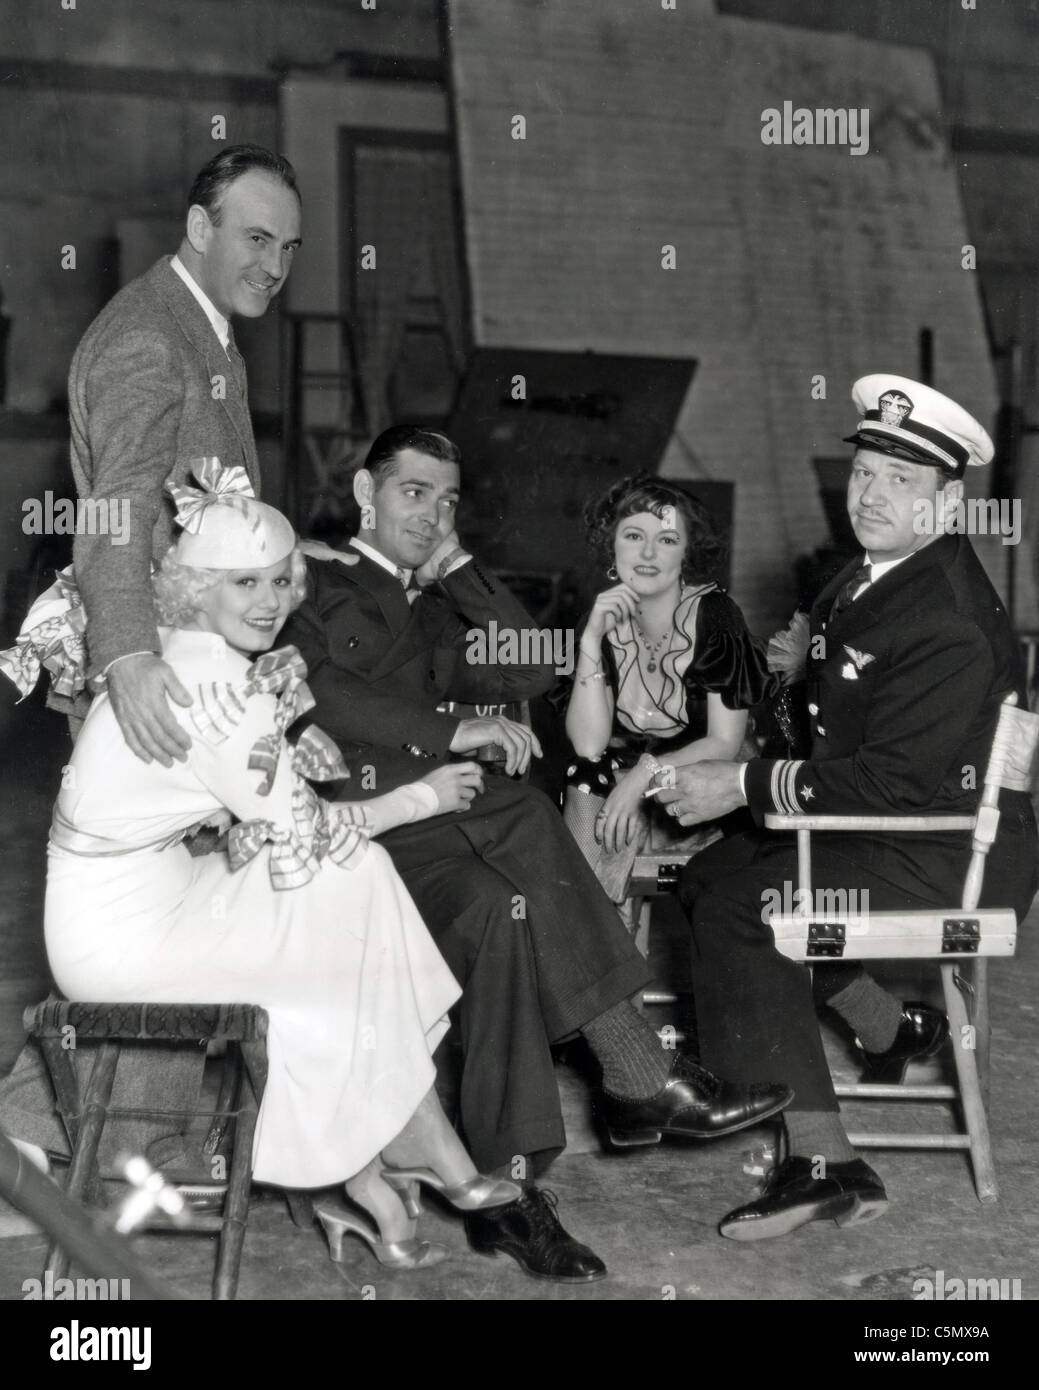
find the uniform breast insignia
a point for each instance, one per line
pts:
(859, 661)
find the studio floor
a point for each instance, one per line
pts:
(652, 1214)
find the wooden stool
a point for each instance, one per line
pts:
(243, 1027)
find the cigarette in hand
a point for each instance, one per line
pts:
(655, 791)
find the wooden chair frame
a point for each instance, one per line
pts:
(959, 938)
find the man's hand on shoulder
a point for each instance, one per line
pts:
(515, 740)
(140, 688)
(319, 550)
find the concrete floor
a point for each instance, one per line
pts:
(651, 1215)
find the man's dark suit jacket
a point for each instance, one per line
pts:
(379, 667)
(150, 389)
(904, 693)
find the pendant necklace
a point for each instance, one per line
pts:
(651, 649)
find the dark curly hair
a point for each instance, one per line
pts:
(705, 551)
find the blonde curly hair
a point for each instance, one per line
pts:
(179, 589)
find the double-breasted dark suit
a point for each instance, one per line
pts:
(150, 389)
(904, 689)
(537, 947)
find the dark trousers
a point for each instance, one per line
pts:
(755, 1011)
(536, 945)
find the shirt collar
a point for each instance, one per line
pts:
(398, 571)
(878, 568)
(220, 325)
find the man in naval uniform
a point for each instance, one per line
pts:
(911, 655)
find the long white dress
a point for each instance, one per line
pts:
(304, 916)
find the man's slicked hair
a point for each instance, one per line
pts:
(382, 458)
(214, 179)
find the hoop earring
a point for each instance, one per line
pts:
(611, 573)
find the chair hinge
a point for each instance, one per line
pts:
(667, 877)
(825, 939)
(960, 935)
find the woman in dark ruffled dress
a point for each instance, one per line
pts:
(666, 673)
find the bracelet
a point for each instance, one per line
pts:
(595, 676)
(649, 764)
(449, 560)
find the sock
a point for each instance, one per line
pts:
(817, 1133)
(509, 1171)
(634, 1064)
(870, 1011)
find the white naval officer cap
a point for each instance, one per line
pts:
(909, 420)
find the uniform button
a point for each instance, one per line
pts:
(353, 642)
(820, 731)
(813, 709)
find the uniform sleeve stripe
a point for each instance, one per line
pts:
(784, 787)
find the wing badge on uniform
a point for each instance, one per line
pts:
(859, 661)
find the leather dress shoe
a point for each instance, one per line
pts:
(693, 1104)
(920, 1034)
(845, 1193)
(530, 1231)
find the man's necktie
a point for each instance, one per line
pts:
(237, 362)
(412, 588)
(846, 596)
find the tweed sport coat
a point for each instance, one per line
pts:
(144, 400)
(904, 692)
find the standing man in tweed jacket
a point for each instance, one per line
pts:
(156, 382)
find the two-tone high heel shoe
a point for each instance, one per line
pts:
(391, 1254)
(475, 1194)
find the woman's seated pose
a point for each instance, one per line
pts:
(302, 915)
(666, 672)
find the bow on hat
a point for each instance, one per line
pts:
(223, 524)
(219, 484)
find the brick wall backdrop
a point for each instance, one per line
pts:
(643, 128)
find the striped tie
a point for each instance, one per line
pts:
(846, 597)
(412, 588)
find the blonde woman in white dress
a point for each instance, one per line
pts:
(304, 915)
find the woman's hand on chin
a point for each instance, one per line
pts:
(611, 607)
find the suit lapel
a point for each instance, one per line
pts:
(868, 606)
(193, 323)
(406, 631)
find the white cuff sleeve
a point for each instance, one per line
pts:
(415, 801)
